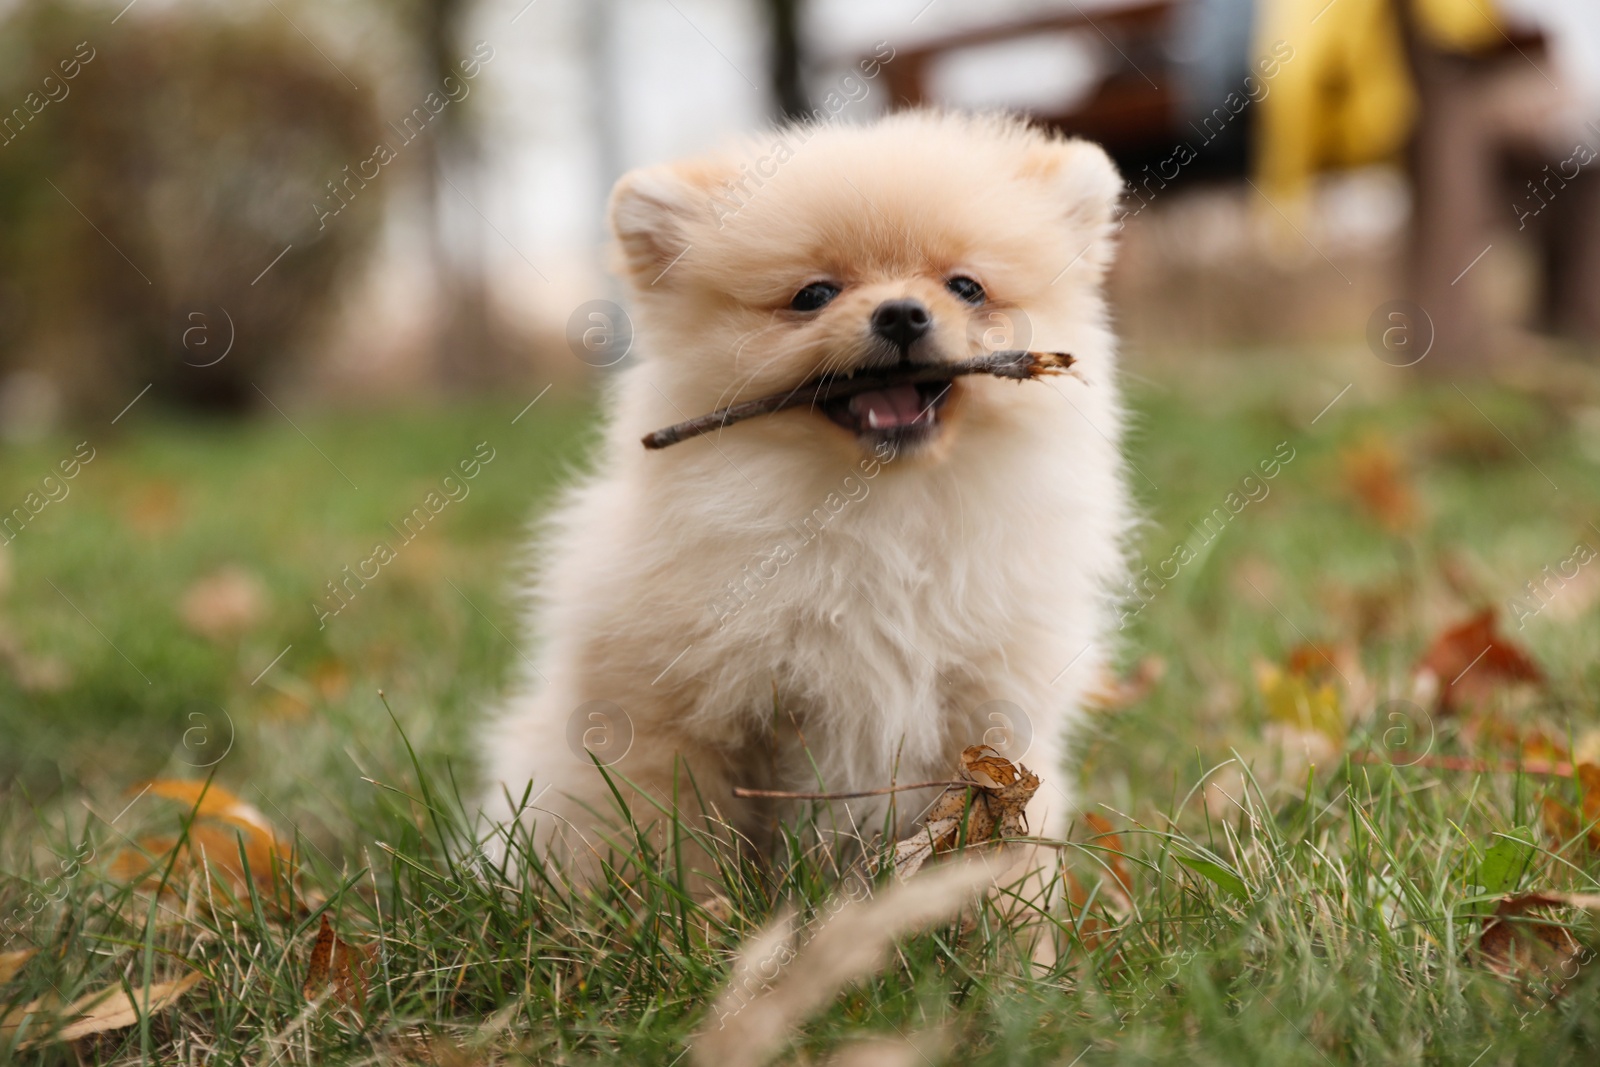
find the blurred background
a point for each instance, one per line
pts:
(269, 271)
(376, 200)
(303, 315)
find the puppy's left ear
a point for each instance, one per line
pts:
(654, 212)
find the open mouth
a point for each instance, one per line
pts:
(890, 410)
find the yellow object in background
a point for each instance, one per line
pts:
(1346, 99)
(1458, 25)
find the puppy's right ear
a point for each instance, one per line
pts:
(651, 212)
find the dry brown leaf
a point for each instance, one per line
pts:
(1112, 852)
(1516, 942)
(209, 800)
(94, 1013)
(1316, 663)
(11, 963)
(993, 807)
(1532, 746)
(35, 1014)
(1115, 893)
(1373, 475)
(1472, 660)
(207, 845)
(338, 968)
(11, 1021)
(1563, 822)
(1539, 747)
(221, 822)
(1111, 693)
(113, 1009)
(1303, 695)
(226, 603)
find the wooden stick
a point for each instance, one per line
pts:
(1559, 768)
(1016, 365)
(780, 794)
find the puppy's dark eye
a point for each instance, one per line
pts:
(814, 296)
(966, 289)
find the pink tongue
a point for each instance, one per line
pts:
(898, 405)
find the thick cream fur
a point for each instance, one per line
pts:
(973, 570)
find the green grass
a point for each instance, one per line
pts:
(1351, 942)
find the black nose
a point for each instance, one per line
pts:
(900, 322)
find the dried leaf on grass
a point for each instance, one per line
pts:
(1303, 695)
(222, 827)
(105, 1009)
(113, 1009)
(1472, 660)
(210, 800)
(338, 968)
(1563, 822)
(993, 806)
(1375, 478)
(1518, 941)
(1306, 709)
(13, 1020)
(782, 975)
(1115, 891)
(11, 963)
(1111, 852)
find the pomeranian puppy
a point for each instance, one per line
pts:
(842, 597)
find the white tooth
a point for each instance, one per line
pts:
(872, 418)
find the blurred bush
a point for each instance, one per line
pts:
(149, 172)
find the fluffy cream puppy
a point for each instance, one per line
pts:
(844, 597)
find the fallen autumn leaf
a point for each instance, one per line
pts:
(993, 806)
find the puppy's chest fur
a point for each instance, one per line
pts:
(857, 636)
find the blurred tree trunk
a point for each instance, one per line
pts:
(469, 351)
(1451, 167)
(786, 59)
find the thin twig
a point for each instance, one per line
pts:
(782, 794)
(1015, 365)
(1558, 768)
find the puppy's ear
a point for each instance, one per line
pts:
(1083, 181)
(653, 213)
(1084, 178)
